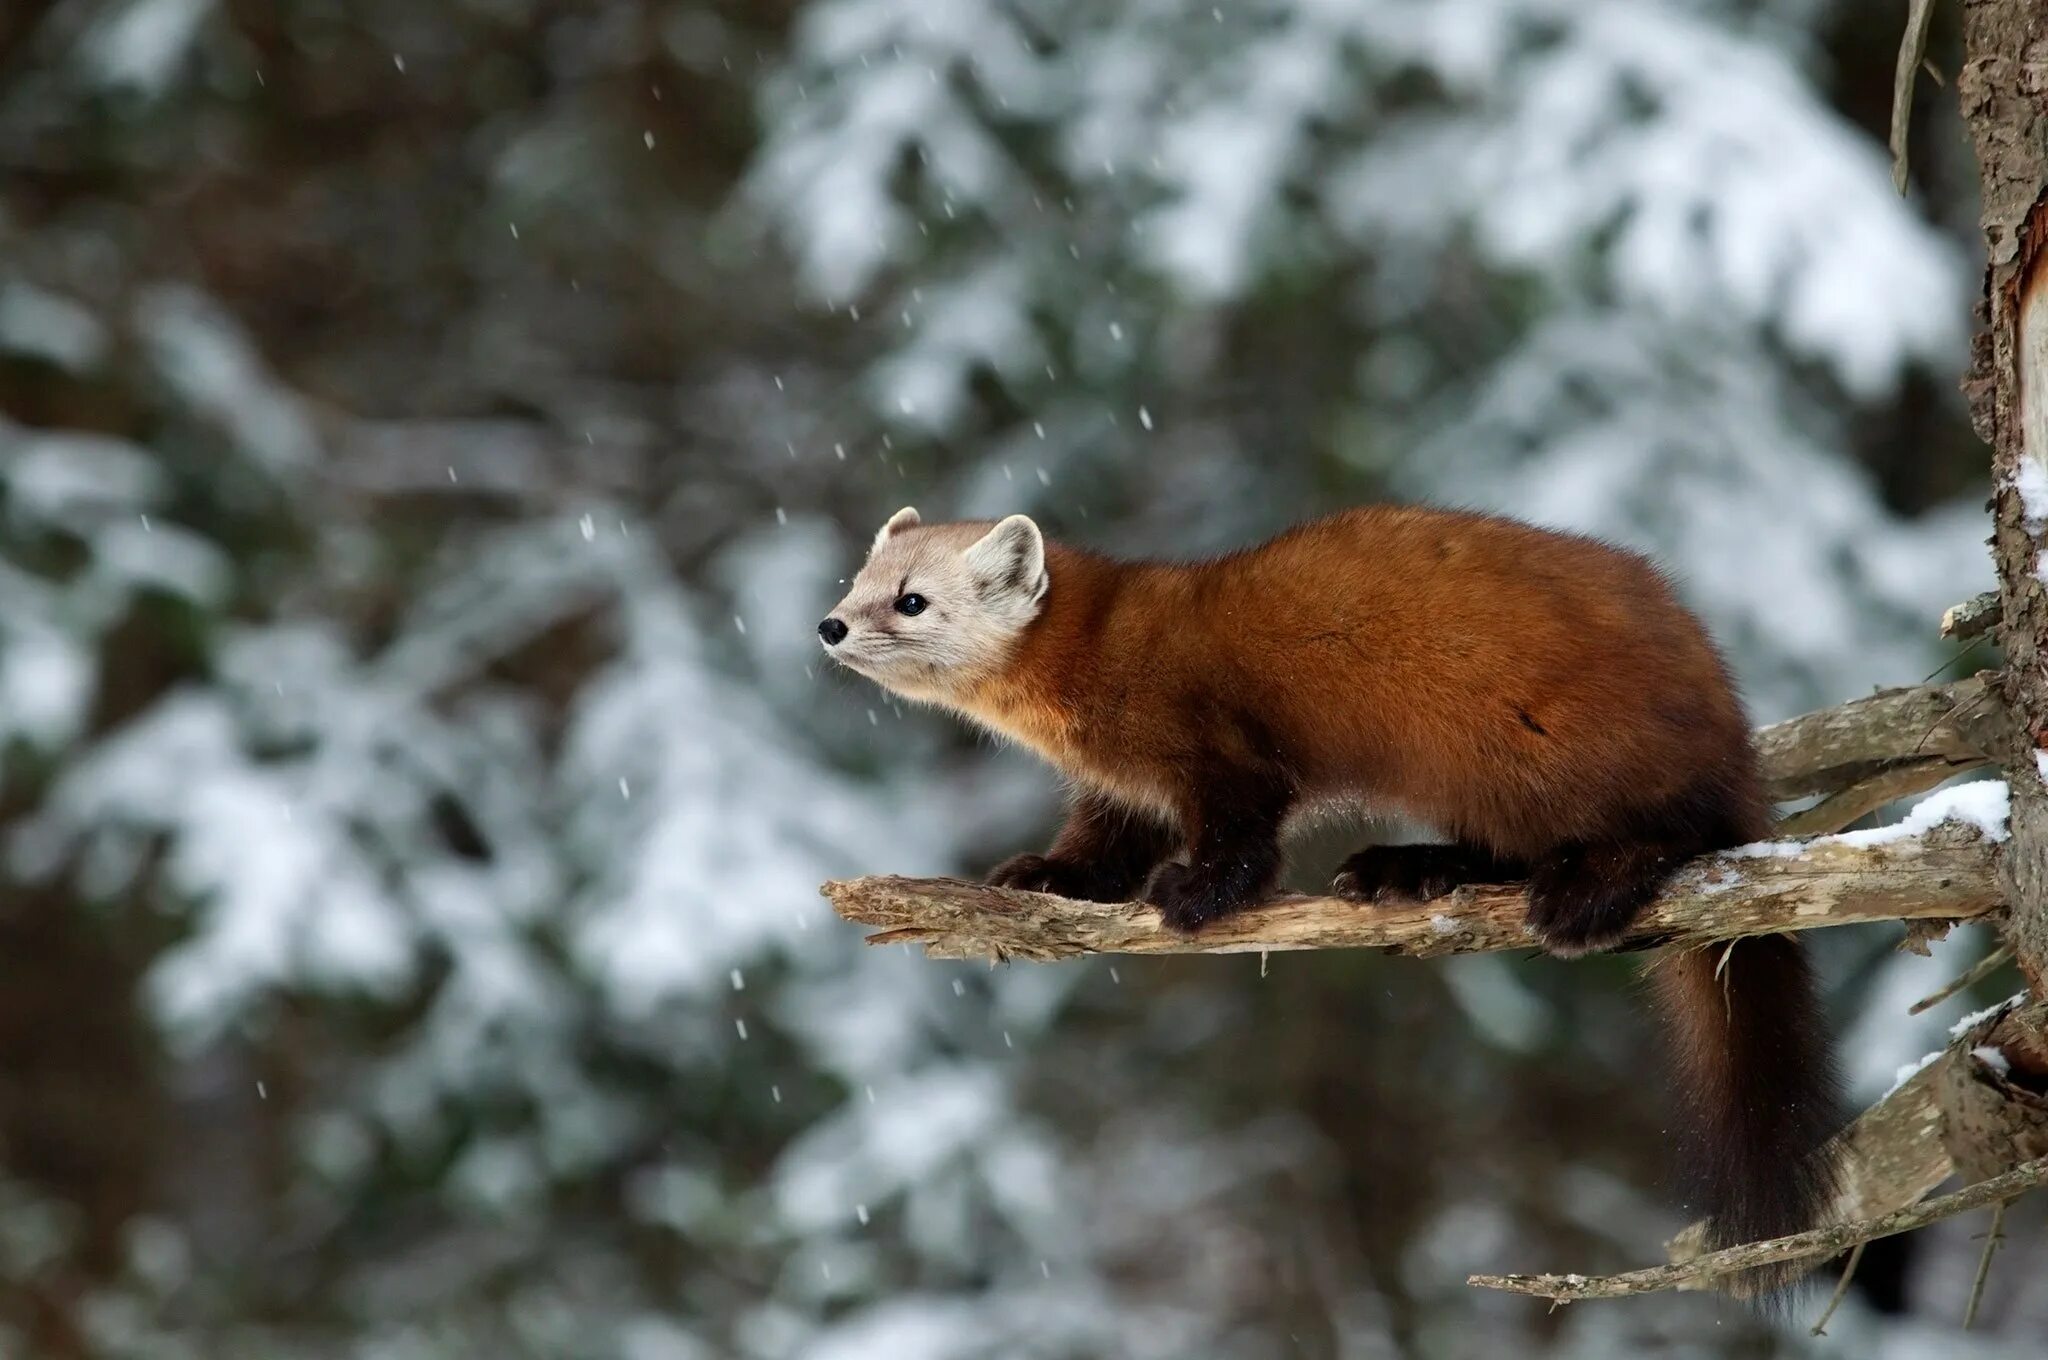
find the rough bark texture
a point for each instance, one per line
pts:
(1804, 1246)
(1942, 729)
(1990, 1121)
(1946, 874)
(2003, 88)
(1974, 617)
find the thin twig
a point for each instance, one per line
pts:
(1802, 1246)
(1991, 1241)
(1820, 1324)
(1976, 973)
(1912, 51)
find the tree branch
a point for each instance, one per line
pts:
(1947, 873)
(1797, 1247)
(1939, 730)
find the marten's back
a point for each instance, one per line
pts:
(1504, 683)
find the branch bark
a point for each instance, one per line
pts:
(1974, 617)
(1897, 742)
(1947, 873)
(1797, 1247)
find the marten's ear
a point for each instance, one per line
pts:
(906, 518)
(1008, 562)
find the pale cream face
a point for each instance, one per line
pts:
(938, 606)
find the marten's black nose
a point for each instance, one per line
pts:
(833, 631)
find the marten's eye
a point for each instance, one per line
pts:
(912, 604)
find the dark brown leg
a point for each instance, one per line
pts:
(1584, 897)
(1102, 854)
(1235, 853)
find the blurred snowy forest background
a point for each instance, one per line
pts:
(428, 437)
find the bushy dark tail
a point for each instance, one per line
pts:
(1756, 1075)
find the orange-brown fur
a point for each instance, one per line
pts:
(1507, 685)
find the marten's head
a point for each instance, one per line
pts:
(937, 607)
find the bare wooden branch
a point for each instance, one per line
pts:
(1991, 1241)
(1941, 730)
(1804, 1246)
(1947, 873)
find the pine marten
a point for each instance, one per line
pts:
(1540, 699)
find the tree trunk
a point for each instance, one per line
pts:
(2004, 92)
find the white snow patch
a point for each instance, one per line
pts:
(1913, 1069)
(1976, 1018)
(1992, 1057)
(1769, 850)
(203, 352)
(1503, 1010)
(47, 682)
(1982, 804)
(51, 327)
(77, 481)
(2030, 479)
(142, 47)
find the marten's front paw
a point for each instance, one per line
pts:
(1392, 873)
(1384, 873)
(1185, 900)
(1063, 878)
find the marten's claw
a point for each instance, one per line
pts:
(1347, 884)
(1028, 872)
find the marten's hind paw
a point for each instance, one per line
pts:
(1574, 936)
(1186, 903)
(1583, 899)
